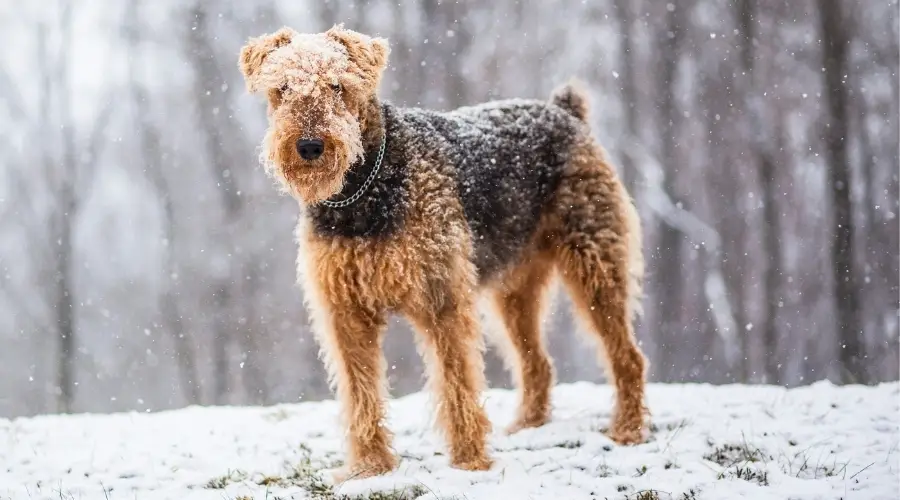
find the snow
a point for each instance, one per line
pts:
(815, 442)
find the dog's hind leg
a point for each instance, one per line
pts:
(518, 298)
(598, 253)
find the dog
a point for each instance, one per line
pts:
(417, 212)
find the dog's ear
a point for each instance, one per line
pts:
(255, 51)
(368, 55)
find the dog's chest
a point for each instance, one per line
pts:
(371, 218)
(381, 205)
(382, 272)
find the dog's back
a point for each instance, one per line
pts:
(507, 157)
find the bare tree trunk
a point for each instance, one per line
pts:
(771, 278)
(670, 272)
(184, 352)
(771, 228)
(878, 251)
(221, 342)
(429, 83)
(746, 23)
(67, 210)
(169, 307)
(456, 44)
(834, 61)
(65, 321)
(151, 152)
(630, 101)
(65, 176)
(211, 92)
(252, 374)
(222, 142)
(401, 63)
(629, 87)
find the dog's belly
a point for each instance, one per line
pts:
(509, 157)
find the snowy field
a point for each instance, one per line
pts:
(817, 442)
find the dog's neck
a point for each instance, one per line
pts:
(380, 209)
(371, 124)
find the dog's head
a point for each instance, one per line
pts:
(319, 87)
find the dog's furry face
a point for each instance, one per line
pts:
(319, 87)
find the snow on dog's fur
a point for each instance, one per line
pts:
(312, 81)
(416, 212)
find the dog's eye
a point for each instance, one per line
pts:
(336, 87)
(284, 88)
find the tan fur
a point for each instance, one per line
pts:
(254, 53)
(592, 238)
(573, 98)
(519, 298)
(350, 276)
(368, 58)
(317, 86)
(595, 254)
(589, 234)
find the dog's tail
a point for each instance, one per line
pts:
(573, 98)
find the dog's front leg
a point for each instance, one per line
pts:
(356, 365)
(453, 351)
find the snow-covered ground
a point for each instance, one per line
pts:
(708, 442)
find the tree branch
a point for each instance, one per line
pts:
(696, 230)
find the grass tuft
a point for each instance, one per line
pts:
(305, 475)
(802, 466)
(731, 454)
(749, 474)
(410, 493)
(570, 445)
(220, 482)
(644, 495)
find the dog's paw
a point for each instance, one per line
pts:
(474, 464)
(526, 423)
(626, 434)
(365, 469)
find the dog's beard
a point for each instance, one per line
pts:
(312, 181)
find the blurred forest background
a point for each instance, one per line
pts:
(147, 263)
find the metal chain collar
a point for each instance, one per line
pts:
(365, 186)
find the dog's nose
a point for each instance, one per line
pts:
(310, 149)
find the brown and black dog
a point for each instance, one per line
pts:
(418, 212)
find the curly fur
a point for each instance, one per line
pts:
(572, 98)
(496, 198)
